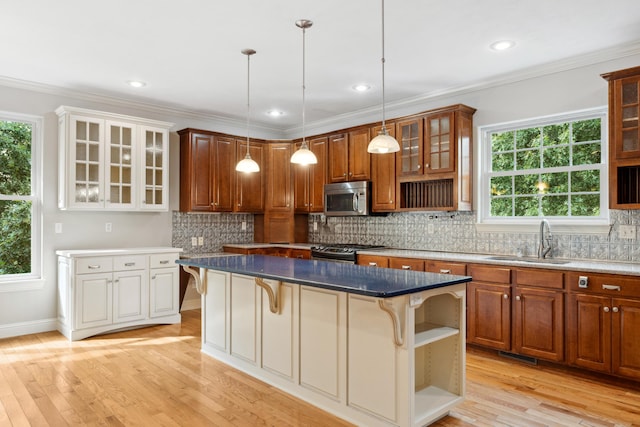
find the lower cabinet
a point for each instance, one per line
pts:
(604, 323)
(340, 351)
(517, 310)
(100, 292)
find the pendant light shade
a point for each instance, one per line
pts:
(248, 165)
(304, 156)
(383, 143)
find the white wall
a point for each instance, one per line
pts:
(22, 312)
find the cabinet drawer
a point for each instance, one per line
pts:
(540, 278)
(129, 262)
(445, 267)
(163, 260)
(94, 265)
(373, 260)
(406, 263)
(489, 273)
(300, 253)
(605, 284)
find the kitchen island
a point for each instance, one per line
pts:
(377, 347)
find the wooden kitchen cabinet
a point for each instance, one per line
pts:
(624, 138)
(309, 180)
(383, 176)
(249, 195)
(279, 189)
(434, 165)
(446, 267)
(604, 323)
(207, 171)
(489, 306)
(348, 156)
(538, 313)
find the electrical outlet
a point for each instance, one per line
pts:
(244, 225)
(627, 232)
(107, 227)
(200, 241)
(315, 225)
(430, 228)
(194, 241)
(58, 227)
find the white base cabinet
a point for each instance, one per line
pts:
(339, 351)
(107, 290)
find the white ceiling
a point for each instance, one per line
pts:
(188, 51)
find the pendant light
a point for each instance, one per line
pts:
(248, 165)
(383, 143)
(303, 156)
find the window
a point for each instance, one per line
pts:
(20, 200)
(552, 167)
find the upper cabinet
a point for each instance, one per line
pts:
(309, 180)
(249, 186)
(433, 166)
(348, 156)
(383, 176)
(112, 162)
(624, 138)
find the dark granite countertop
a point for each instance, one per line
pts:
(375, 282)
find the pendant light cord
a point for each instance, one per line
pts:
(304, 87)
(248, 92)
(384, 127)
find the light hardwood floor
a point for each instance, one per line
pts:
(157, 376)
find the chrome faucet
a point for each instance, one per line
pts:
(545, 246)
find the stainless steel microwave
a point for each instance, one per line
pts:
(347, 198)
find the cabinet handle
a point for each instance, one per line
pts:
(153, 277)
(93, 267)
(505, 296)
(615, 309)
(517, 297)
(344, 174)
(418, 166)
(310, 204)
(606, 309)
(406, 267)
(445, 271)
(426, 165)
(164, 261)
(129, 264)
(611, 287)
(373, 264)
(117, 281)
(350, 173)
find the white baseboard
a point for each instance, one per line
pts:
(26, 328)
(190, 304)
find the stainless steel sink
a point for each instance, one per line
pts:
(529, 259)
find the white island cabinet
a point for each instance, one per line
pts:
(107, 290)
(392, 361)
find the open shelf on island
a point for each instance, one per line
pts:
(432, 400)
(426, 333)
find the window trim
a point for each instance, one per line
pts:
(593, 225)
(33, 280)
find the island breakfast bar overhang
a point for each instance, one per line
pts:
(376, 347)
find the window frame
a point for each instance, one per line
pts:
(589, 225)
(34, 279)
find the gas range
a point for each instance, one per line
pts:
(339, 252)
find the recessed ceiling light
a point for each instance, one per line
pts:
(361, 87)
(274, 113)
(502, 45)
(136, 83)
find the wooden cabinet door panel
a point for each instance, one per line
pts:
(410, 158)
(200, 168)
(446, 267)
(589, 332)
(318, 175)
(439, 143)
(383, 177)
(625, 343)
(359, 157)
(339, 158)
(279, 180)
(539, 323)
(224, 161)
(301, 184)
(250, 186)
(489, 315)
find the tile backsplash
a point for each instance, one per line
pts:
(449, 232)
